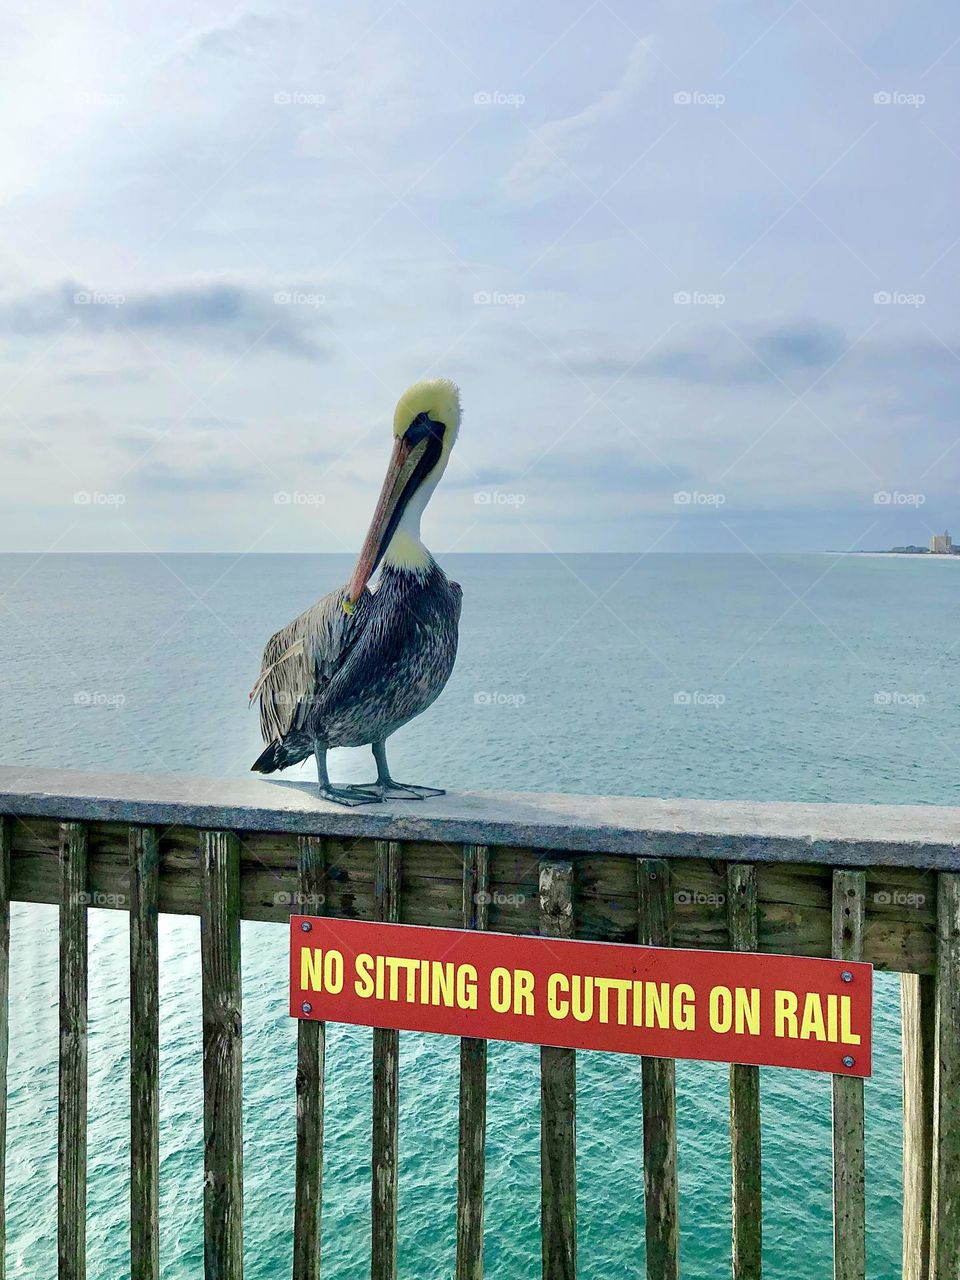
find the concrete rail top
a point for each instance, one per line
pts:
(840, 834)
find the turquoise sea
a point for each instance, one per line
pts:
(790, 677)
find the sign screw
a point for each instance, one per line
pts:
(847, 1062)
(306, 926)
(847, 976)
(308, 1008)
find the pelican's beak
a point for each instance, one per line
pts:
(394, 496)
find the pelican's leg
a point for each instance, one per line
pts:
(339, 795)
(385, 785)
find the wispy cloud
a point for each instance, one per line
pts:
(715, 356)
(165, 477)
(557, 143)
(221, 313)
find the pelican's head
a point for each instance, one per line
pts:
(425, 426)
(434, 400)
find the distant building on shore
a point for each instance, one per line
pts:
(941, 544)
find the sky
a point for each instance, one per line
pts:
(693, 265)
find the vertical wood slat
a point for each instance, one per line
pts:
(659, 1083)
(558, 1102)
(222, 1056)
(746, 1199)
(72, 1105)
(386, 1091)
(849, 1203)
(918, 1031)
(144, 1054)
(4, 1023)
(471, 1158)
(945, 1216)
(311, 1055)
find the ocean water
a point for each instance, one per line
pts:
(789, 677)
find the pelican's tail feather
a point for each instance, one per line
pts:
(281, 755)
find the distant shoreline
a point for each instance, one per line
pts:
(896, 555)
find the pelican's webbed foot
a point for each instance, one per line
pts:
(385, 787)
(349, 796)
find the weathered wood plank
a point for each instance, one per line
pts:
(558, 1102)
(945, 1217)
(794, 899)
(222, 1056)
(746, 1198)
(849, 1201)
(471, 1155)
(311, 1054)
(659, 1083)
(386, 1091)
(144, 859)
(4, 1024)
(72, 1108)
(919, 1044)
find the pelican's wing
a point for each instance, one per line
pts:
(302, 658)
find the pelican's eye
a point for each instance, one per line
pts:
(423, 427)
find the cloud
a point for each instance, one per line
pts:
(545, 155)
(164, 477)
(106, 377)
(191, 159)
(804, 345)
(242, 36)
(614, 468)
(220, 314)
(764, 357)
(384, 88)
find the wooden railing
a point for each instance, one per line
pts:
(878, 883)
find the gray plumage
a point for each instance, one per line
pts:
(332, 679)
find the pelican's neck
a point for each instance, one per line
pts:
(405, 550)
(407, 554)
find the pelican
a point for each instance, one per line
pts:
(361, 663)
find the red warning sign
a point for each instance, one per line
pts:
(662, 1002)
